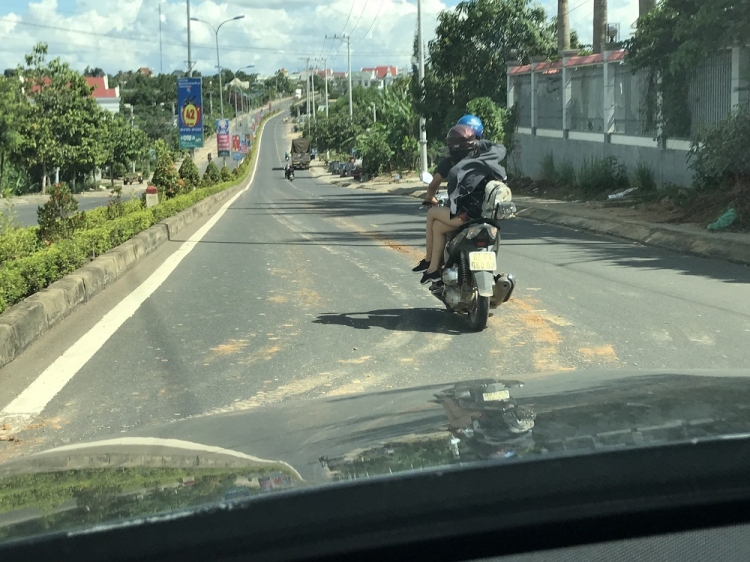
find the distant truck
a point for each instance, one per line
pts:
(298, 93)
(301, 154)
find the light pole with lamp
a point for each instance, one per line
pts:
(235, 75)
(218, 63)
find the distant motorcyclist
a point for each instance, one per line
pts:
(289, 172)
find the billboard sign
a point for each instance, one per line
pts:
(190, 112)
(223, 143)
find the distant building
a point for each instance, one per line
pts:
(146, 71)
(178, 73)
(107, 98)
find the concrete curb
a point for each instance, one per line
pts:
(707, 245)
(722, 246)
(24, 323)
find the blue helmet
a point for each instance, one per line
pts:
(474, 122)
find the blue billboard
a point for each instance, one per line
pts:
(190, 112)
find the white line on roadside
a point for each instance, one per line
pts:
(30, 403)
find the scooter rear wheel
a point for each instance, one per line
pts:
(480, 313)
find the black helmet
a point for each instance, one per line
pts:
(461, 141)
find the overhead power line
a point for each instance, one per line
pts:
(147, 40)
(360, 16)
(373, 21)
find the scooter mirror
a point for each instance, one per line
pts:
(426, 177)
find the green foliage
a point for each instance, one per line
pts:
(119, 169)
(468, 55)
(212, 173)
(27, 267)
(494, 118)
(644, 178)
(373, 147)
(600, 175)
(165, 177)
(719, 154)
(225, 174)
(115, 207)
(58, 218)
(189, 173)
(566, 175)
(547, 171)
(672, 40)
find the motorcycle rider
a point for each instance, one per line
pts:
(474, 163)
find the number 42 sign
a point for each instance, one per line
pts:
(190, 112)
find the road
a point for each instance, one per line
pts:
(300, 290)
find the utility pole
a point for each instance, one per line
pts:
(307, 87)
(349, 64)
(600, 26)
(422, 122)
(325, 74)
(190, 58)
(563, 26)
(312, 88)
(161, 52)
(374, 114)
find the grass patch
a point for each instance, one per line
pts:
(602, 175)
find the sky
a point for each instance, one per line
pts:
(124, 34)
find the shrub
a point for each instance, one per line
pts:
(719, 154)
(165, 177)
(189, 173)
(58, 218)
(212, 171)
(547, 171)
(225, 174)
(644, 178)
(16, 243)
(566, 175)
(598, 175)
(373, 147)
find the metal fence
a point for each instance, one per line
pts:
(710, 91)
(631, 99)
(709, 98)
(549, 101)
(586, 109)
(523, 97)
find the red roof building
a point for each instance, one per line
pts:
(107, 98)
(383, 71)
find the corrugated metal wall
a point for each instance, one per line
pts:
(710, 91)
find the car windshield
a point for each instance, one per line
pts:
(251, 247)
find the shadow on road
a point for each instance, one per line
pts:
(426, 320)
(340, 205)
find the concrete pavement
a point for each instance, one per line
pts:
(303, 289)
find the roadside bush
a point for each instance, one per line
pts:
(59, 217)
(719, 154)
(16, 243)
(373, 147)
(566, 175)
(212, 171)
(225, 174)
(644, 178)
(165, 177)
(547, 171)
(599, 175)
(189, 173)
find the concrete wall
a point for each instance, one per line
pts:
(669, 165)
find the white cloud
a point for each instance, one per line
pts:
(125, 34)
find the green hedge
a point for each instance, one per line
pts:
(28, 267)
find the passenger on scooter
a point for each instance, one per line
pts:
(473, 165)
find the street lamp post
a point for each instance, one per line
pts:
(218, 63)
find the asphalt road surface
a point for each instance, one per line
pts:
(300, 290)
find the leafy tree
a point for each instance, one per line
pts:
(498, 121)
(61, 126)
(225, 174)
(467, 58)
(165, 176)
(121, 144)
(12, 113)
(189, 173)
(373, 147)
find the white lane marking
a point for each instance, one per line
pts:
(30, 403)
